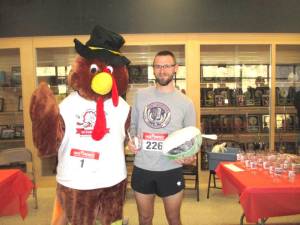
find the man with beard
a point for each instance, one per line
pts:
(157, 112)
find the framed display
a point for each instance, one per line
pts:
(249, 97)
(233, 93)
(253, 123)
(265, 123)
(1, 104)
(207, 97)
(239, 123)
(285, 122)
(215, 124)
(221, 96)
(279, 121)
(3, 127)
(285, 95)
(7, 133)
(290, 122)
(265, 100)
(211, 124)
(261, 96)
(20, 104)
(19, 131)
(219, 100)
(15, 75)
(226, 123)
(138, 74)
(240, 100)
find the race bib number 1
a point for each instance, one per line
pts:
(83, 155)
(153, 141)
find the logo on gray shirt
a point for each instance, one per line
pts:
(157, 115)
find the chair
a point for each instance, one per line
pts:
(16, 157)
(191, 172)
(214, 159)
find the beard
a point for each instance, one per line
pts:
(164, 82)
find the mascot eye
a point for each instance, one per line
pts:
(94, 68)
(110, 69)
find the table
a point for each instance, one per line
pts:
(261, 195)
(15, 188)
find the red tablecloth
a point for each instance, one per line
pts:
(15, 188)
(261, 195)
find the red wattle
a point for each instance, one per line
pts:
(100, 126)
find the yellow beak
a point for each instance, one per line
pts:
(102, 83)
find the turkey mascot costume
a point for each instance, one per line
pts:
(86, 131)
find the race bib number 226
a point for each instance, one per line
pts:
(153, 141)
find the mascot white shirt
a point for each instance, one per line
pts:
(84, 163)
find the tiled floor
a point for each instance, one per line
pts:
(218, 210)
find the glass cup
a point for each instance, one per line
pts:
(253, 165)
(291, 174)
(136, 140)
(277, 170)
(247, 163)
(266, 165)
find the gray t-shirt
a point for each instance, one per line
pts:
(154, 115)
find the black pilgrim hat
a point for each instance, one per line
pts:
(103, 44)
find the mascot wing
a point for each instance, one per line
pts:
(47, 124)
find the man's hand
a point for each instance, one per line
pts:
(131, 147)
(188, 160)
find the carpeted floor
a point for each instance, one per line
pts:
(218, 210)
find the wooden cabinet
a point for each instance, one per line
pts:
(11, 101)
(287, 91)
(235, 89)
(242, 101)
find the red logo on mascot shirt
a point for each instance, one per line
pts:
(84, 154)
(87, 123)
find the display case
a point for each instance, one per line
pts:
(11, 101)
(287, 98)
(235, 89)
(235, 93)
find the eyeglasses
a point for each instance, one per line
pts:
(166, 66)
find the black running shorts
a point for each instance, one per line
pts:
(161, 183)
